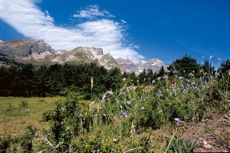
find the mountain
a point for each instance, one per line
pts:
(84, 55)
(17, 52)
(25, 48)
(128, 65)
(154, 64)
(39, 53)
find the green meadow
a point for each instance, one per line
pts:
(16, 113)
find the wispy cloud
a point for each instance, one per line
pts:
(92, 12)
(105, 33)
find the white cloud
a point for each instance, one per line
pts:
(29, 20)
(92, 12)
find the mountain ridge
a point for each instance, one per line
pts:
(38, 52)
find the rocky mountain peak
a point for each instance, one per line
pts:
(24, 48)
(154, 64)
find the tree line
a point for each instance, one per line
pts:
(29, 80)
(56, 79)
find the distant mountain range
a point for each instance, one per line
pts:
(17, 52)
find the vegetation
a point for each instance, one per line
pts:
(125, 117)
(44, 81)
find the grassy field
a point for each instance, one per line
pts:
(16, 113)
(211, 134)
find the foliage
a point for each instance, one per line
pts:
(180, 146)
(186, 65)
(44, 81)
(225, 66)
(24, 142)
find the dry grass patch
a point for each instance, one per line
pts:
(16, 113)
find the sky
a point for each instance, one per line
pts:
(137, 29)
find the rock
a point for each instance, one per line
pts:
(154, 64)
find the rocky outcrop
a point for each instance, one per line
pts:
(154, 64)
(128, 65)
(109, 62)
(25, 48)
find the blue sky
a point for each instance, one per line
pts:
(137, 29)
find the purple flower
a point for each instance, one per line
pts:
(128, 102)
(159, 94)
(175, 71)
(165, 77)
(110, 92)
(92, 110)
(217, 74)
(178, 120)
(123, 93)
(191, 75)
(123, 114)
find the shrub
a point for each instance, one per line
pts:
(23, 104)
(178, 145)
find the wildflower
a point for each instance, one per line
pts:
(123, 114)
(165, 77)
(124, 79)
(191, 74)
(123, 93)
(93, 102)
(217, 74)
(92, 110)
(210, 57)
(175, 71)
(128, 102)
(159, 78)
(115, 140)
(219, 60)
(178, 120)
(110, 92)
(153, 81)
(181, 77)
(159, 94)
